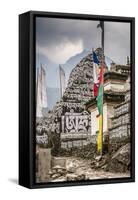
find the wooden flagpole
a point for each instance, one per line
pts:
(101, 25)
(103, 63)
(102, 103)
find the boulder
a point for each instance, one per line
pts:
(71, 168)
(59, 161)
(75, 177)
(120, 160)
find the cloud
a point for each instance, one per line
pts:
(117, 41)
(58, 39)
(60, 53)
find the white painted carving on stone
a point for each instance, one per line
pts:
(75, 122)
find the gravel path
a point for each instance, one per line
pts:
(80, 169)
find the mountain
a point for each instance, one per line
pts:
(77, 58)
(53, 95)
(73, 61)
(51, 70)
(52, 75)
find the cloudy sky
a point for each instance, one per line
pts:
(59, 39)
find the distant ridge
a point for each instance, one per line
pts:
(73, 61)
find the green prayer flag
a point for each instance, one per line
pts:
(100, 99)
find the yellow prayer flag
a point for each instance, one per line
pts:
(100, 134)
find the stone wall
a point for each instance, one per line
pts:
(120, 133)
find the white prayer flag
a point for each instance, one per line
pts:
(41, 99)
(62, 80)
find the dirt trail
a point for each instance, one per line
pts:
(80, 169)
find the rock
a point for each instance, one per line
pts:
(98, 158)
(58, 161)
(58, 167)
(99, 162)
(61, 171)
(104, 167)
(81, 177)
(55, 176)
(75, 177)
(93, 163)
(120, 161)
(57, 172)
(123, 154)
(60, 179)
(71, 168)
(50, 172)
(71, 177)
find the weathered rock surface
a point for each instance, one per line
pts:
(75, 177)
(120, 160)
(86, 152)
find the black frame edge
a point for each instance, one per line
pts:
(24, 96)
(133, 98)
(81, 16)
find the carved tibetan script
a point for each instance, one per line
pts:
(75, 122)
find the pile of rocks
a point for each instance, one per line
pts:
(76, 168)
(118, 161)
(73, 171)
(57, 172)
(61, 174)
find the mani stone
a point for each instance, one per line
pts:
(44, 164)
